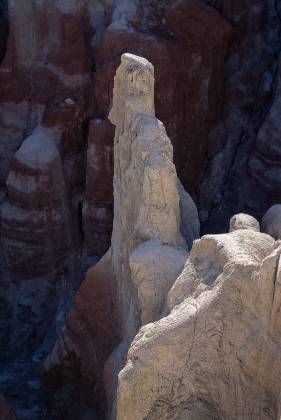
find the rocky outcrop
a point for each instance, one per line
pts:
(147, 203)
(214, 354)
(147, 252)
(271, 222)
(243, 221)
(217, 92)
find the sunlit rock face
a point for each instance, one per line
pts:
(214, 354)
(147, 252)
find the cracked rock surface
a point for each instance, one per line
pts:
(214, 355)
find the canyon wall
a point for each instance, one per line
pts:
(157, 332)
(217, 74)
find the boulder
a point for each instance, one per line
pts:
(243, 221)
(271, 222)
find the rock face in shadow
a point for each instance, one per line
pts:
(45, 79)
(265, 162)
(6, 413)
(214, 355)
(173, 36)
(35, 213)
(4, 24)
(98, 202)
(250, 74)
(271, 222)
(147, 252)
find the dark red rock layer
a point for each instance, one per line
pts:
(98, 202)
(187, 43)
(74, 370)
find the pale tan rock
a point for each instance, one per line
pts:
(215, 355)
(243, 221)
(154, 268)
(148, 250)
(271, 222)
(146, 199)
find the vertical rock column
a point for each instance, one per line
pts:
(146, 199)
(127, 288)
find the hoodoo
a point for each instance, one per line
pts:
(128, 287)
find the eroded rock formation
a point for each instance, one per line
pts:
(217, 92)
(147, 252)
(214, 356)
(243, 221)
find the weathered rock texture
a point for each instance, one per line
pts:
(214, 356)
(45, 101)
(188, 102)
(250, 74)
(98, 202)
(217, 92)
(128, 287)
(243, 221)
(215, 64)
(265, 162)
